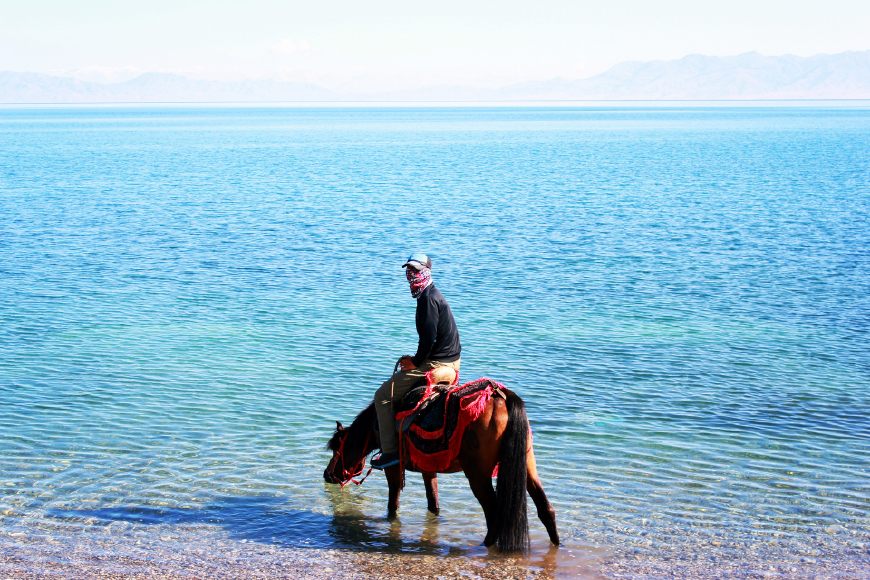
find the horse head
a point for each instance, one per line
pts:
(350, 446)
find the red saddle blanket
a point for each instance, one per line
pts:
(431, 432)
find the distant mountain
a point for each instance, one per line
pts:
(746, 76)
(151, 88)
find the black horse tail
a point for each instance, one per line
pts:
(513, 529)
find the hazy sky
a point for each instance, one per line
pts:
(404, 43)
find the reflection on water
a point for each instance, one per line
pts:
(268, 520)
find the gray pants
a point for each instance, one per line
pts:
(397, 387)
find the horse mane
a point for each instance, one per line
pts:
(365, 421)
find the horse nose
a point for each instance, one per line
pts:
(328, 476)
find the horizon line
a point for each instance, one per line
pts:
(379, 102)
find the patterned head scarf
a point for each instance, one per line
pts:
(418, 279)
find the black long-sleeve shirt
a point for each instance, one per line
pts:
(439, 337)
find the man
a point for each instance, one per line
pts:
(437, 350)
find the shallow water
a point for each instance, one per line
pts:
(191, 297)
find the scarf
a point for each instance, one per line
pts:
(419, 280)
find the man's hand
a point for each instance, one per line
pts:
(406, 364)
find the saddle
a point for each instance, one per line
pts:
(432, 419)
(429, 391)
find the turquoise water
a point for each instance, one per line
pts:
(190, 297)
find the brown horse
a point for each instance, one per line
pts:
(500, 436)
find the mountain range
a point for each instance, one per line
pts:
(695, 77)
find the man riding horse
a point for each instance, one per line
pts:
(486, 430)
(438, 352)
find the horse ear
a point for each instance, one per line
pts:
(338, 426)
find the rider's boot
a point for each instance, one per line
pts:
(385, 459)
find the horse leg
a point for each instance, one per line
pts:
(481, 487)
(430, 480)
(546, 513)
(394, 481)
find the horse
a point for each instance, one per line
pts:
(498, 437)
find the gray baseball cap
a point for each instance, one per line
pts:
(418, 261)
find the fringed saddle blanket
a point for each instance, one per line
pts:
(431, 432)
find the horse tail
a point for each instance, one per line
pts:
(513, 529)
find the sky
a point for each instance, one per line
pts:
(402, 44)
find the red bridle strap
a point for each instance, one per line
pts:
(346, 475)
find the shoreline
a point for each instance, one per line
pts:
(180, 553)
(200, 556)
(579, 104)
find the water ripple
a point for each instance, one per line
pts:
(190, 300)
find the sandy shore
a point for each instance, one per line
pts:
(175, 555)
(342, 564)
(294, 564)
(184, 554)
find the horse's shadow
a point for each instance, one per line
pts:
(269, 520)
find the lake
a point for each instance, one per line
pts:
(191, 296)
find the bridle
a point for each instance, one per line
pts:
(347, 474)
